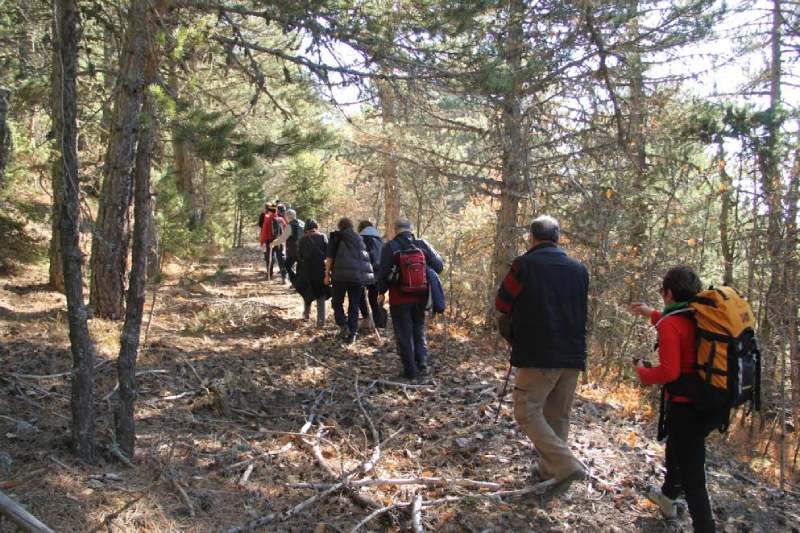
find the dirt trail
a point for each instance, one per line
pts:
(231, 376)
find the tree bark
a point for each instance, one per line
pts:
(5, 135)
(124, 419)
(83, 351)
(391, 184)
(190, 180)
(56, 254)
(514, 150)
(727, 245)
(112, 230)
(635, 146)
(772, 320)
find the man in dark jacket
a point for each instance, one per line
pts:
(545, 293)
(348, 269)
(407, 310)
(369, 302)
(311, 270)
(289, 240)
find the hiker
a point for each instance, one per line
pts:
(685, 427)
(369, 301)
(348, 269)
(311, 270)
(261, 216)
(289, 239)
(272, 228)
(406, 302)
(544, 296)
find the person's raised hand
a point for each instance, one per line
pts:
(641, 308)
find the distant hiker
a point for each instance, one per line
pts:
(685, 427)
(403, 273)
(261, 216)
(374, 244)
(545, 296)
(311, 271)
(290, 239)
(271, 229)
(348, 267)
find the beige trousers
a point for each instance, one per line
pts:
(542, 402)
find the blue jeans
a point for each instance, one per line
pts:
(408, 321)
(354, 293)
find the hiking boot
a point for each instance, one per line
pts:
(307, 314)
(351, 338)
(344, 332)
(553, 488)
(667, 506)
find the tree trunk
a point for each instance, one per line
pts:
(391, 185)
(190, 181)
(791, 284)
(514, 151)
(772, 320)
(56, 255)
(66, 48)
(143, 219)
(727, 245)
(5, 135)
(112, 230)
(635, 146)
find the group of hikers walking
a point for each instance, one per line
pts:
(708, 359)
(354, 263)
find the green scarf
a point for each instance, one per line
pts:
(674, 306)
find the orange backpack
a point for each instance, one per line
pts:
(728, 369)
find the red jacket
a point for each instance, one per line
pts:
(676, 351)
(266, 228)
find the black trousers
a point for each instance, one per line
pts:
(379, 314)
(408, 321)
(687, 430)
(354, 292)
(277, 257)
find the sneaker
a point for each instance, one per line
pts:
(667, 506)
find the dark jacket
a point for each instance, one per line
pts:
(546, 294)
(403, 241)
(374, 244)
(351, 262)
(311, 271)
(295, 229)
(436, 301)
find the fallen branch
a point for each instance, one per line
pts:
(416, 514)
(376, 513)
(140, 373)
(400, 384)
(185, 497)
(54, 376)
(11, 483)
(246, 475)
(425, 481)
(22, 518)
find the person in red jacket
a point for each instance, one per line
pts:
(684, 426)
(271, 228)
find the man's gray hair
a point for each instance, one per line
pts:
(291, 214)
(545, 228)
(402, 224)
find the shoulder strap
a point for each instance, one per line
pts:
(676, 312)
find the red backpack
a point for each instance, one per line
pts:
(413, 271)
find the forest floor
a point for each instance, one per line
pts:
(241, 401)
